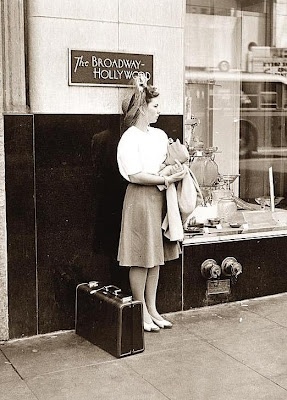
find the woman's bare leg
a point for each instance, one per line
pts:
(138, 279)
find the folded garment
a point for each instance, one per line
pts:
(181, 199)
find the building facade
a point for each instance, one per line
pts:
(60, 191)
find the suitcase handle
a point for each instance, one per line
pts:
(93, 284)
(112, 289)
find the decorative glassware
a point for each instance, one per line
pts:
(226, 208)
(228, 179)
(218, 194)
(204, 167)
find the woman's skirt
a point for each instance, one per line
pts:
(142, 242)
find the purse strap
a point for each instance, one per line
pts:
(196, 184)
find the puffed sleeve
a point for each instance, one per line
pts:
(128, 155)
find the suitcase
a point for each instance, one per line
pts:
(109, 319)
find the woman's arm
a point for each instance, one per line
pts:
(143, 178)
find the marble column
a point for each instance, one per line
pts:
(12, 100)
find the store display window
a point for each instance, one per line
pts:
(236, 93)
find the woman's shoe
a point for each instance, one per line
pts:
(162, 323)
(151, 327)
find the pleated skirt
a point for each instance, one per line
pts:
(142, 243)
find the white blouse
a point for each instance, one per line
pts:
(140, 151)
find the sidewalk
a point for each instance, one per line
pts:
(235, 351)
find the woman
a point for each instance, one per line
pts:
(142, 247)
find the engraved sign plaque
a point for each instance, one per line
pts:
(98, 68)
(221, 286)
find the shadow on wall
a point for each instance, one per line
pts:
(79, 195)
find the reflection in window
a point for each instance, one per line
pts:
(236, 86)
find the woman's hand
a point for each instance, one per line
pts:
(171, 169)
(177, 176)
(166, 170)
(177, 173)
(177, 167)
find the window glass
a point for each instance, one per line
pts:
(235, 91)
